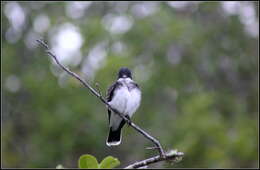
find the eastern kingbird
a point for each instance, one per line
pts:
(125, 96)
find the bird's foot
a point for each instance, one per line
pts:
(129, 120)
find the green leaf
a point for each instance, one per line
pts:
(59, 166)
(109, 162)
(87, 161)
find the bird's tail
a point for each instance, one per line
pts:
(114, 137)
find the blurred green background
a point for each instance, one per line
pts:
(196, 62)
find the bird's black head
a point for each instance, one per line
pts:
(124, 73)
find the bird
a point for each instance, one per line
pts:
(124, 95)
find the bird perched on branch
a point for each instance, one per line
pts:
(124, 95)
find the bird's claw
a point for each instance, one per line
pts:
(128, 120)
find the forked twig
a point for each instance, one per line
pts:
(172, 155)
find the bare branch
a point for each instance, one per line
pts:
(98, 89)
(152, 148)
(172, 155)
(97, 94)
(162, 155)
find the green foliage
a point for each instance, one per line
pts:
(109, 162)
(197, 66)
(90, 162)
(59, 167)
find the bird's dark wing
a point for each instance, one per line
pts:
(110, 94)
(132, 85)
(110, 91)
(136, 85)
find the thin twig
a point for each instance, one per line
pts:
(93, 91)
(98, 88)
(173, 155)
(152, 148)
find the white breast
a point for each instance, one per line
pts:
(120, 99)
(133, 102)
(125, 101)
